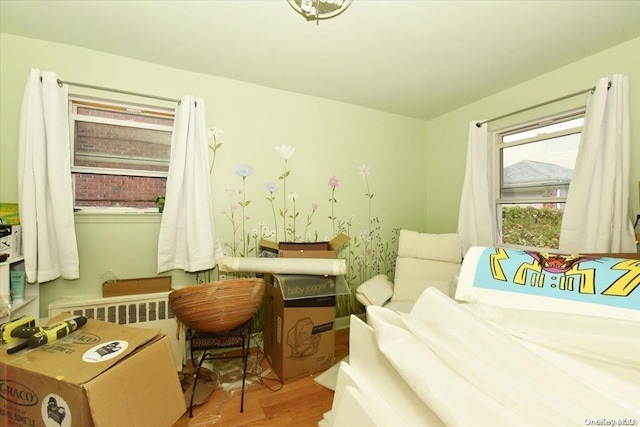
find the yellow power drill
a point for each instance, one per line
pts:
(9, 329)
(40, 335)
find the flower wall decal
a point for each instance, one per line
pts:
(286, 151)
(307, 237)
(366, 254)
(214, 134)
(230, 214)
(364, 172)
(333, 184)
(244, 171)
(292, 227)
(272, 187)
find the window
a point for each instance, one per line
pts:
(120, 155)
(535, 167)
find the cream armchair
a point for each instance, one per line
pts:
(424, 260)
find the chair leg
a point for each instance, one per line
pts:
(191, 351)
(246, 342)
(244, 378)
(195, 381)
(246, 348)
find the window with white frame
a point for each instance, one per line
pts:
(534, 166)
(120, 154)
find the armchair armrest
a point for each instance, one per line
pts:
(375, 291)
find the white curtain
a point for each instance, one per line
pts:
(45, 193)
(596, 217)
(475, 223)
(186, 240)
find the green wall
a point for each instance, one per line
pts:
(447, 134)
(330, 139)
(416, 167)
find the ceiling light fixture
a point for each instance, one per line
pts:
(315, 10)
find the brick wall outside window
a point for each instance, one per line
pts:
(118, 191)
(124, 147)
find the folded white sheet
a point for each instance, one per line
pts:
(379, 382)
(472, 365)
(437, 384)
(357, 405)
(514, 375)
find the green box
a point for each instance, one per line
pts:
(9, 214)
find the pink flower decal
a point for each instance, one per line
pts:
(333, 182)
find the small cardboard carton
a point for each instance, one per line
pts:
(306, 249)
(99, 375)
(144, 285)
(11, 240)
(299, 335)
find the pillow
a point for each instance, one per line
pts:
(375, 291)
(438, 247)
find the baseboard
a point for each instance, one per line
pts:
(343, 322)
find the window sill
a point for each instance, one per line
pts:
(87, 217)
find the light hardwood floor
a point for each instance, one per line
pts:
(298, 404)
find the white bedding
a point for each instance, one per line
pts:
(459, 364)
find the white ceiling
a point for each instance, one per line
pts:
(414, 58)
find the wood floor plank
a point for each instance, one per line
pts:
(301, 403)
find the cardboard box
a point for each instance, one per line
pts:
(307, 254)
(145, 285)
(11, 240)
(306, 249)
(100, 375)
(301, 246)
(299, 335)
(9, 214)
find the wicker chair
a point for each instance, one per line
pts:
(218, 316)
(205, 342)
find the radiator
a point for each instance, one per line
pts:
(143, 310)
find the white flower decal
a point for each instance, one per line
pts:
(286, 151)
(363, 170)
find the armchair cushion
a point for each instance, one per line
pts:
(413, 276)
(437, 247)
(375, 291)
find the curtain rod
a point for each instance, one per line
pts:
(61, 82)
(562, 98)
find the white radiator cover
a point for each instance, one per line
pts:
(143, 310)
